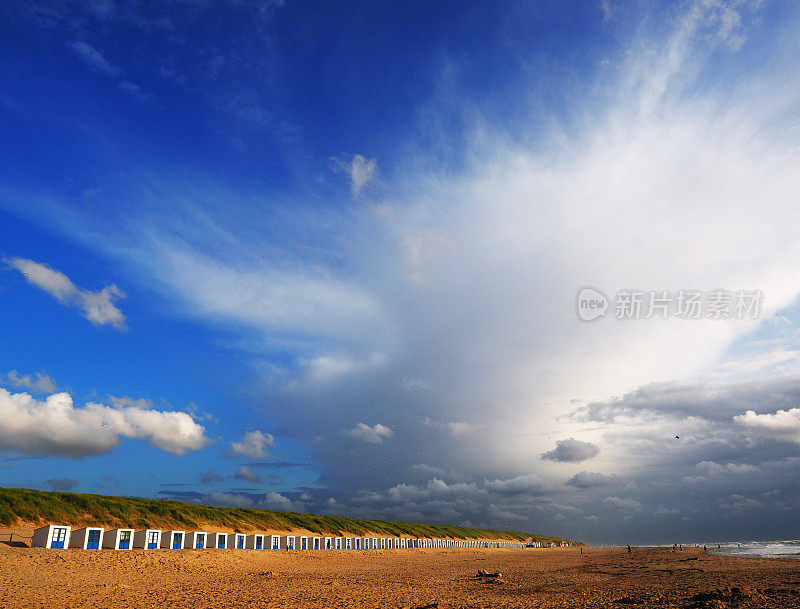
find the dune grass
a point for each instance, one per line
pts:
(32, 506)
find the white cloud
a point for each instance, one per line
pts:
(527, 484)
(253, 445)
(248, 475)
(55, 427)
(40, 382)
(623, 504)
(783, 425)
(571, 451)
(98, 307)
(712, 468)
(360, 170)
(268, 501)
(586, 479)
(371, 435)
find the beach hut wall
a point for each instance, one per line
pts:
(89, 538)
(173, 540)
(53, 536)
(254, 542)
(197, 540)
(149, 539)
(287, 542)
(118, 539)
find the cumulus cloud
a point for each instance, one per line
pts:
(210, 478)
(712, 468)
(55, 427)
(248, 475)
(267, 501)
(254, 445)
(528, 484)
(371, 435)
(571, 451)
(586, 479)
(782, 425)
(623, 504)
(39, 382)
(98, 307)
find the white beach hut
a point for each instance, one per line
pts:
(374, 544)
(173, 540)
(149, 539)
(218, 541)
(236, 541)
(254, 542)
(338, 543)
(51, 536)
(383, 543)
(197, 540)
(118, 539)
(89, 538)
(287, 542)
(303, 544)
(329, 543)
(348, 543)
(356, 543)
(274, 542)
(317, 543)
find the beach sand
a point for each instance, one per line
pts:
(554, 577)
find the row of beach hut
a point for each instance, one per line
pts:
(96, 538)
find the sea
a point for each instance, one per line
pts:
(789, 548)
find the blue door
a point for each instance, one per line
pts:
(316, 543)
(152, 540)
(240, 542)
(221, 542)
(200, 542)
(125, 540)
(59, 537)
(93, 540)
(304, 544)
(259, 541)
(177, 541)
(275, 543)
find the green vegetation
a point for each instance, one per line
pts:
(31, 506)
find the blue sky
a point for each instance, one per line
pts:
(325, 257)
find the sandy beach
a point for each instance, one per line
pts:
(553, 577)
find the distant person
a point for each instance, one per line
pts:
(629, 549)
(705, 549)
